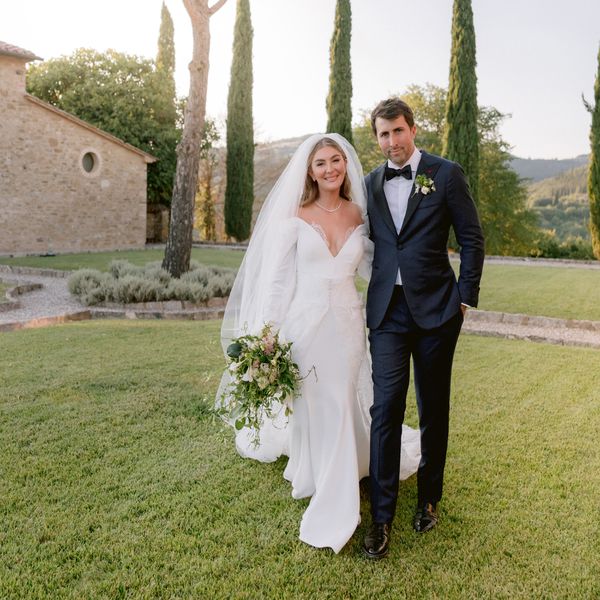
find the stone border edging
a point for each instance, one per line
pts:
(83, 315)
(532, 260)
(490, 316)
(540, 339)
(563, 332)
(214, 308)
(15, 291)
(199, 314)
(8, 269)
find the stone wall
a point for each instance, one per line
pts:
(49, 202)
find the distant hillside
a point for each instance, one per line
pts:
(562, 204)
(270, 159)
(557, 192)
(536, 169)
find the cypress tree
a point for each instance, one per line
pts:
(339, 99)
(165, 57)
(165, 114)
(239, 191)
(594, 168)
(461, 143)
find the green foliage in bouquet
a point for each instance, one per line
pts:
(263, 379)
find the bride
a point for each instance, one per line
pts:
(309, 242)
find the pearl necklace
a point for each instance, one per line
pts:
(329, 210)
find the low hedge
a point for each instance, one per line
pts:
(127, 283)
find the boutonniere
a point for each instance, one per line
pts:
(424, 185)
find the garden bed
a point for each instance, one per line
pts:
(125, 285)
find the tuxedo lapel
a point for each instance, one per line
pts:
(380, 200)
(428, 166)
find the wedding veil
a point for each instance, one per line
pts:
(245, 311)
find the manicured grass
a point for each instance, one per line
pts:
(561, 292)
(101, 260)
(117, 482)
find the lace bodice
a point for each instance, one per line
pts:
(321, 231)
(313, 251)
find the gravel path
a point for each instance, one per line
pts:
(53, 304)
(542, 262)
(52, 300)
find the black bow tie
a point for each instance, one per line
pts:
(405, 171)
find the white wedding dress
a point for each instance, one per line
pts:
(327, 436)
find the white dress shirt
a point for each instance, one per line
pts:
(397, 192)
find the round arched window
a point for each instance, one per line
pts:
(89, 162)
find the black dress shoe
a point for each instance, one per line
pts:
(425, 518)
(377, 541)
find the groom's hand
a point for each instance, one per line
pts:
(464, 308)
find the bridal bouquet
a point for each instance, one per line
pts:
(263, 376)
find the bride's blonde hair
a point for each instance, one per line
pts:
(311, 189)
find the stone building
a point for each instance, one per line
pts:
(65, 186)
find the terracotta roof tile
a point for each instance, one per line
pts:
(10, 50)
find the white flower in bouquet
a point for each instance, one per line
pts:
(263, 379)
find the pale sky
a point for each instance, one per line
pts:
(535, 57)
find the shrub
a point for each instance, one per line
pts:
(156, 272)
(573, 248)
(122, 268)
(136, 288)
(86, 281)
(200, 275)
(220, 285)
(127, 283)
(186, 290)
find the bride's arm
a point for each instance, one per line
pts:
(280, 274)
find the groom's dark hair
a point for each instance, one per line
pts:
(390, 109)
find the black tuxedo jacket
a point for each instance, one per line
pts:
(420, 250)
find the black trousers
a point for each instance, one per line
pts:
(393, 343)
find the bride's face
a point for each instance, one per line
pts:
(328, 168)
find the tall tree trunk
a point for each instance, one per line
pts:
(179, 243)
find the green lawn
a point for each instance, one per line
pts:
(101, 260)
(560, 292)
(117, 482)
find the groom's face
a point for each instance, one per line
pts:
(396, 139)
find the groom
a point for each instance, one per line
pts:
(415, 308)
